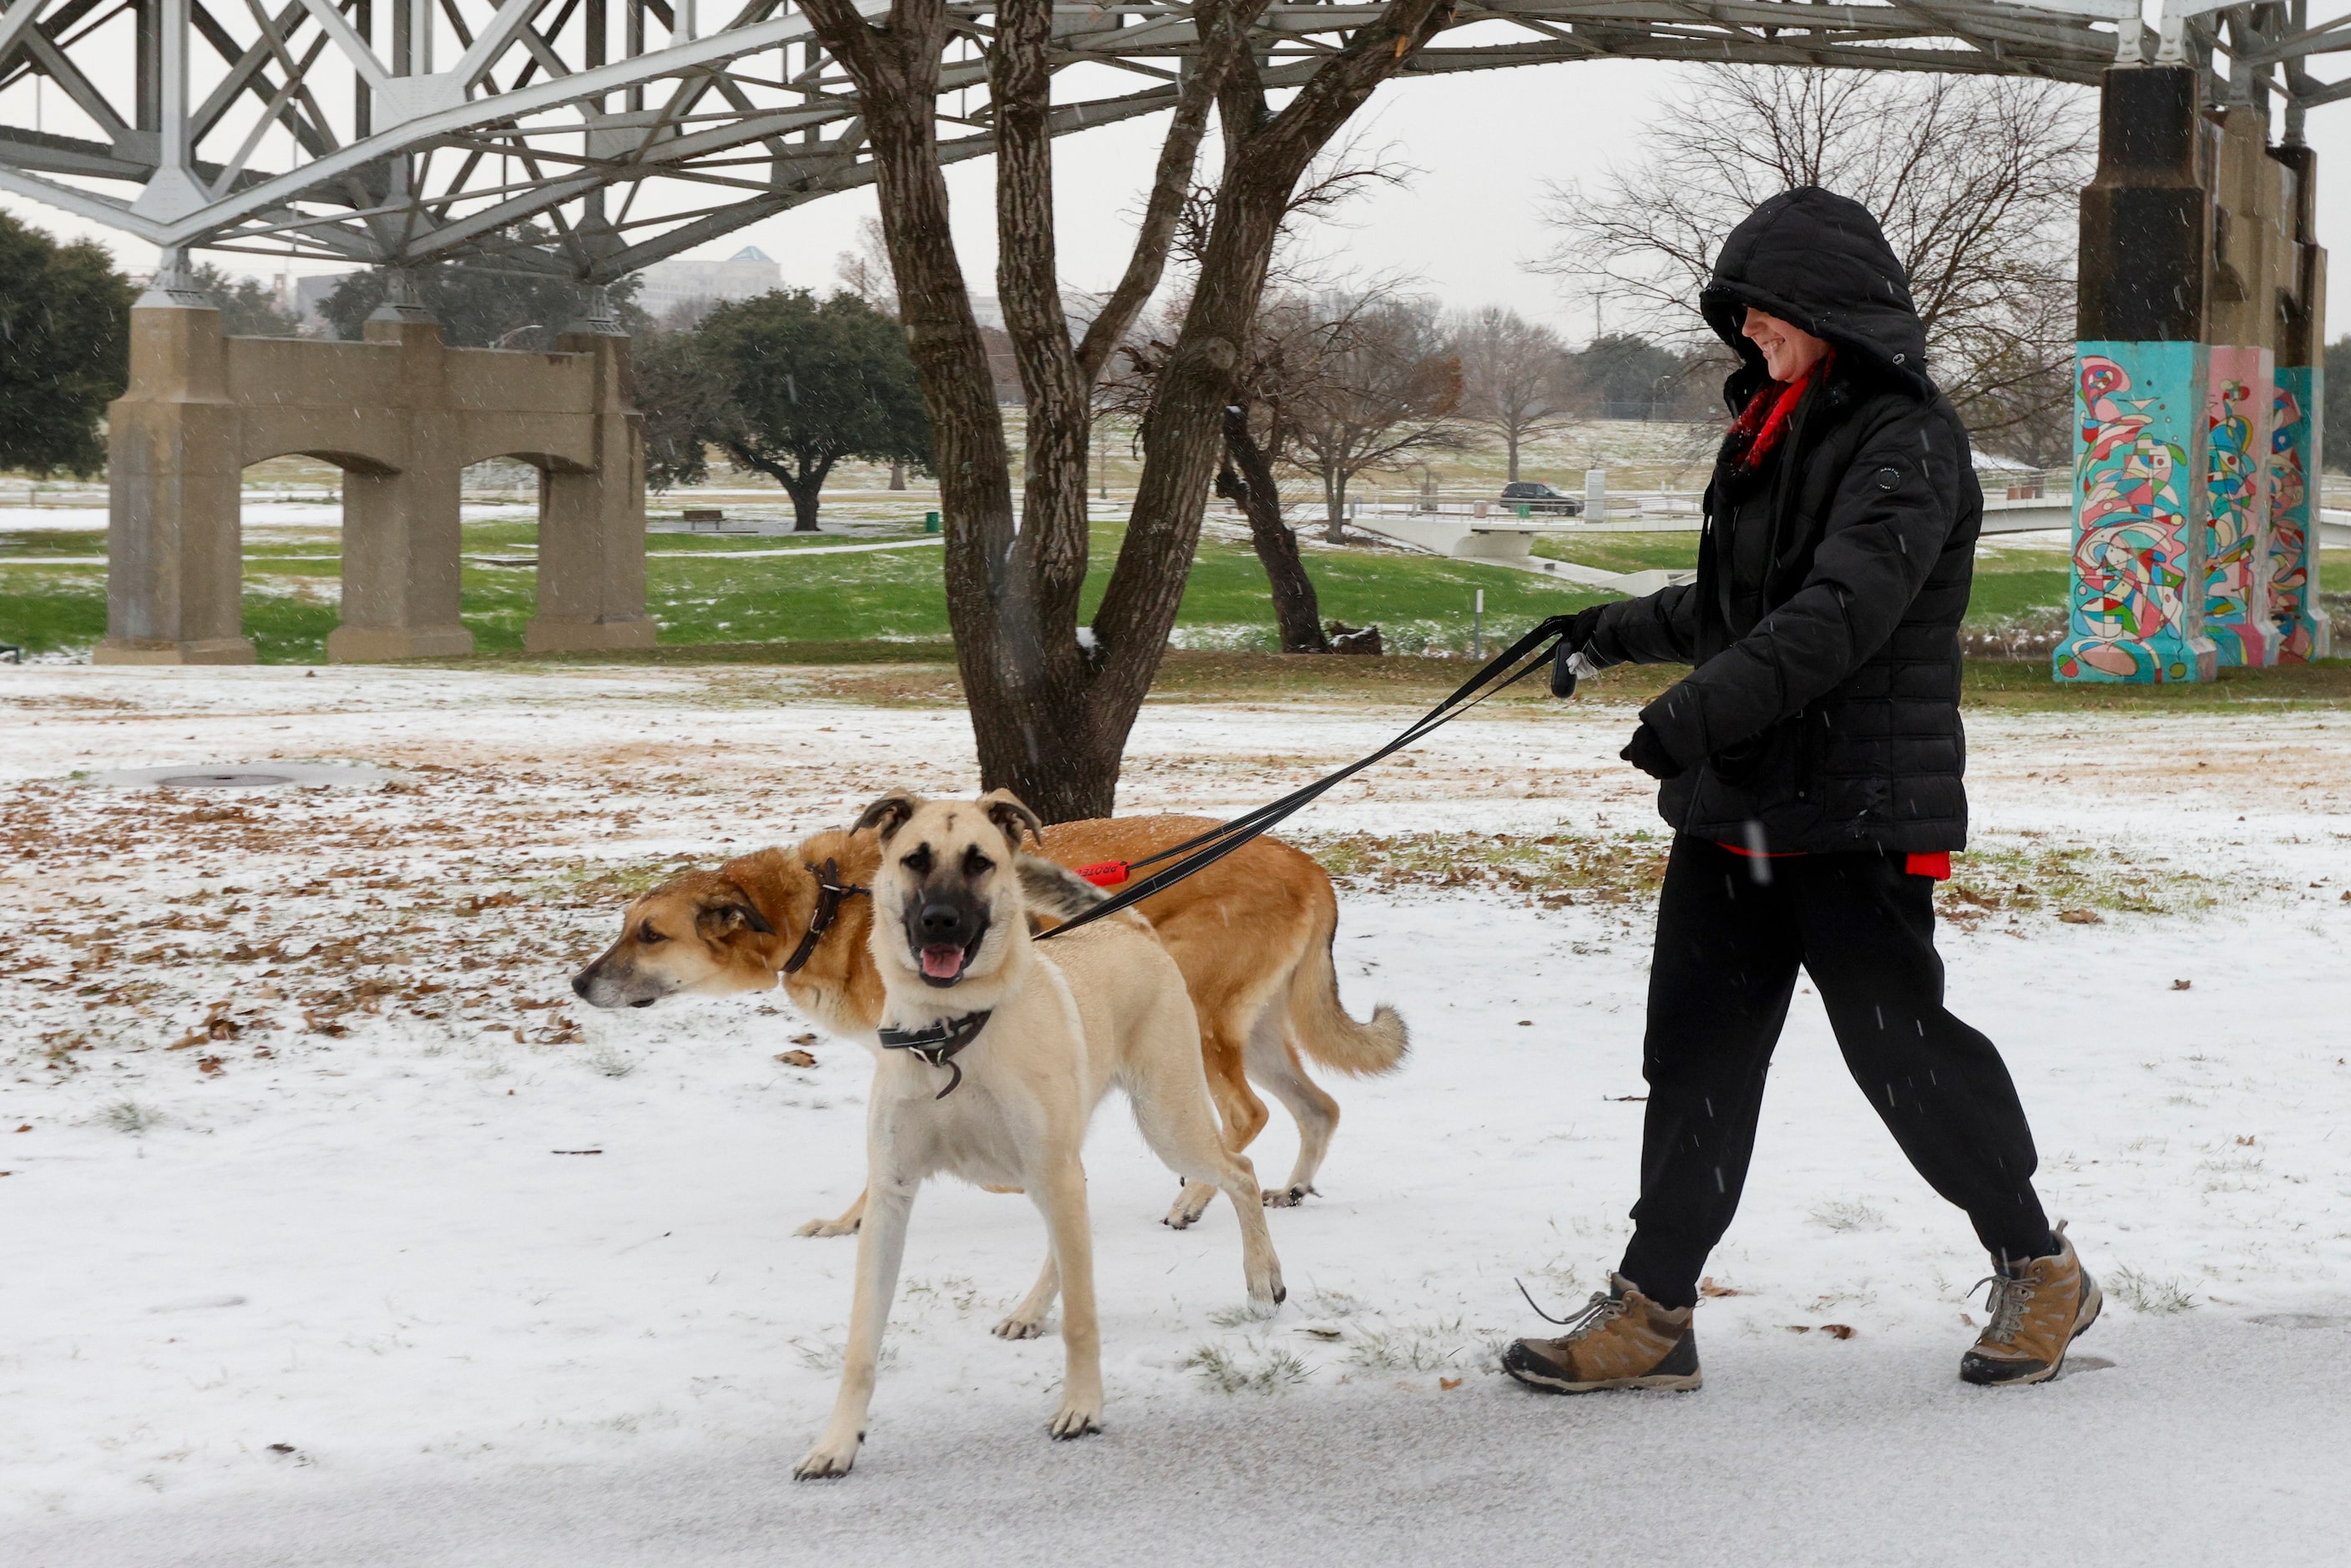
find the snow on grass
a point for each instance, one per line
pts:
(408, 1237)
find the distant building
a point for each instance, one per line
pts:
(311, 292)
(670, 284)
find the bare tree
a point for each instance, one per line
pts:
(1974, 179)
(1513, 375)
(1050, 711)
(1387, 391)
(1289, 349)
(866, 271)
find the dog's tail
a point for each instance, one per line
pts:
(1055, 893)
(1319, 1023)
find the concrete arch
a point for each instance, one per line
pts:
(402, 414)
(348, 462)
(546, 462)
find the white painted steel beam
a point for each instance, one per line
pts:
(303, 127)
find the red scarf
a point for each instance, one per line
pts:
(1765, 419)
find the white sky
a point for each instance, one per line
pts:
(1486, 143)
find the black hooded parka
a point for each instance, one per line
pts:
(1824, 624)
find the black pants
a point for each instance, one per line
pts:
(1729, 946)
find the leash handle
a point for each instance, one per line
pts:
(1567, 666)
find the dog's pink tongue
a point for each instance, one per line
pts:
(942, 963)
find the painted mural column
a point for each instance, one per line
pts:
(2141, 508)
(2249, 243)
(2299, 621)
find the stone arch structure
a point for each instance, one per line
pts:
(402, 415)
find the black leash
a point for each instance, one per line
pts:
(1204, 850)
(938, 1044)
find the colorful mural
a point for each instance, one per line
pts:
(2294, 607)
(2138, 504)
(2240, 390)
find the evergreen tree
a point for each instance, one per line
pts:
(808, 382)
(65, 349)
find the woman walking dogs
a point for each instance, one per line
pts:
(1810, 766)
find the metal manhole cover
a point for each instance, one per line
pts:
(223, 780)
(272, 775)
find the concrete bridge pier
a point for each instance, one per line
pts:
(402, 415)
(591, 521)
(403, 540)
(2197, 383)
(174, 579)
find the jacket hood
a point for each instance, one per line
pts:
(1819, 261)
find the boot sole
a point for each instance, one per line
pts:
(1677, 1383)
(2090, 1309)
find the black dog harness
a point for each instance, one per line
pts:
(829, 890)
(938, 1044)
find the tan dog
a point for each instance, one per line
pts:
(1251, 933)
(1034, 1039)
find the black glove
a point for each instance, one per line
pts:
(1582, 628)
(1647, 753)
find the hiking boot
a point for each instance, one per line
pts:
(1621, 1340)
(2038, 1309)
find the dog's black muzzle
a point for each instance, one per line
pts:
(945, 927)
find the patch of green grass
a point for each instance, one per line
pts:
(1251, 1369)
(1670, 551)
(2017, 873)
(2024, 684)
(1549, 868)
(2003, 596)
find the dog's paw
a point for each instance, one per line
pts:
(1190, 1204)
(1289, 1196)
(829, 1460)
(826, 1227)
(1266, 1293)
(1075, 1421)
(1017, 1327)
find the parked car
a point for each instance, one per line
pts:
(1543, 498)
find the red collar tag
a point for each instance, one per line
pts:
(1103, 874)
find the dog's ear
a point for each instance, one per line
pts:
(728, 912)
(1005, 810)
(888, 814)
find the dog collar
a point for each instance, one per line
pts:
(829, 890)
(938, 1044)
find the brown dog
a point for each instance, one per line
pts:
(1251, 933)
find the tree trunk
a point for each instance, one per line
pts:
(1247, 480)
(805, 491)
(1511, 435)
(1050, 716)
(1335, 501)
(897, 473)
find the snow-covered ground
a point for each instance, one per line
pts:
(329, 1282)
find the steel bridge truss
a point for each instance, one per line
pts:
(589, 137)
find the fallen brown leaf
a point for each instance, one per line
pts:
(2181, 985)
(2081, 918)
(796, 1059)
(208, 1065)
(1706, 1286)
(1837, 1331)
(804, 1039)
(1449, 1383)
